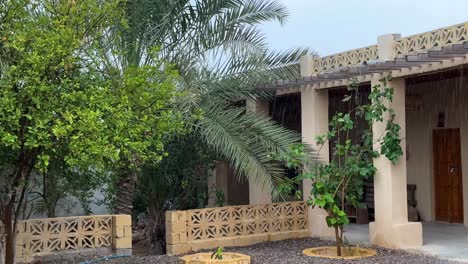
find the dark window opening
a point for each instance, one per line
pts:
(286, 110)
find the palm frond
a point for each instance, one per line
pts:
(222, 57)
(247, 140)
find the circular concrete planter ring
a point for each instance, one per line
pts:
(205, 258)
(347, 252)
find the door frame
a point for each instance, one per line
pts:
(457, 130)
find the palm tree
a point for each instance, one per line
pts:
(221, 56)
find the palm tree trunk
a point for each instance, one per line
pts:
(125, 192)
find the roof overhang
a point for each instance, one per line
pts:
(410, 65)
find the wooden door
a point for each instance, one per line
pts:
(448, 175)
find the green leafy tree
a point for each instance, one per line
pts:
(178, 182)
(62, 186)
(143, 127)
(56, 98)
(341, 181)
(222, 58)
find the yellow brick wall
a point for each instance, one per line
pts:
(121, 231)
(41, 237)
(232, 226)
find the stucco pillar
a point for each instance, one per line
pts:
(222, 179)
(256, 193)
(386, 46)
(306, 63)
(314, 112)
(314, 107)
(122, 234)
(391, 228)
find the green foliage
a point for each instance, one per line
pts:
(61, 97)
(62, 187)
(142, 116)
(247, 141)
(55, 95)
(342, 180)
(46, 97)
(218, 254)
(218, 194)
(222, 57)
(178, 181)
(219, 198)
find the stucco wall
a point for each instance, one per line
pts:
(70, 206)
(236, 191)
(426, 98)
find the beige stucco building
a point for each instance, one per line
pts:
(430, 80)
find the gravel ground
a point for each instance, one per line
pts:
(285, 252)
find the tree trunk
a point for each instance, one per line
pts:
(156, 229)
(10, 214)
(338, 242)
(125, 191)
(2, 251)
(10, 234)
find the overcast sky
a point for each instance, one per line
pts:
(331, 26)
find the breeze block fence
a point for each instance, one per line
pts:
(44, 238)
(233, 226)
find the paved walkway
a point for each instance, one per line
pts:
(448, 241)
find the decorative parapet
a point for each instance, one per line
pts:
(344, 59)
(230, 226)
(42, 237)
(411, 45)
(456, 34)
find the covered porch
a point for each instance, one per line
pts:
(430, 81)
(436, 113)
(437, 144)
(448, 241)
(430, 94)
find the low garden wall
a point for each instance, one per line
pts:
(230, 226)
(41, 238)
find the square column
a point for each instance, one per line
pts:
(221, 177)
(391, 228)
(314, 109)
(176, 233)
(256, 193)
(386, 46)
(122, 234)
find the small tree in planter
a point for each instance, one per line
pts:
(342, 180)
(219, 256)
